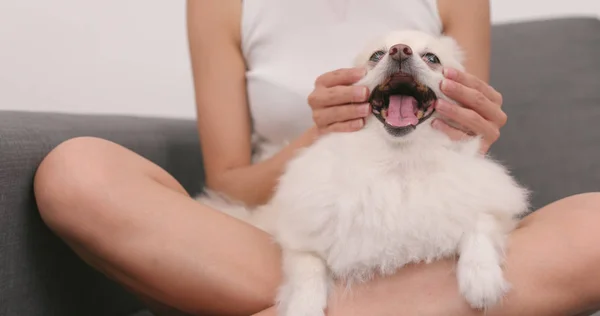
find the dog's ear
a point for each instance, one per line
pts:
(452, 47)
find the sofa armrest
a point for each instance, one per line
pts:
(39, 275)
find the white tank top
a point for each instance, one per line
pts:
(287, 44)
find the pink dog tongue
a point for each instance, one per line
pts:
(401, 111)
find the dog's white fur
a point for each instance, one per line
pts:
(353, 205)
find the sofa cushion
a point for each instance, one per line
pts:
(39, 274)
(549, 74)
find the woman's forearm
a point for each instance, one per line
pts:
(254, 184)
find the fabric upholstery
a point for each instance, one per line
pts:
(39, 275)
(549, 74)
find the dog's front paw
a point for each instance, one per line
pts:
(482, 285)
(302, 302)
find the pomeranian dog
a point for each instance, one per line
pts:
(355, 205)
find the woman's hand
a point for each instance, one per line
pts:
(337, 105)
(480, 113)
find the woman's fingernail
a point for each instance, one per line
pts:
(442, 106)
(447, 85)
(436, 124)
(357, 123)
(364, 109)
(360, 94)
(449, 73)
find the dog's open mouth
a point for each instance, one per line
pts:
(401, 103)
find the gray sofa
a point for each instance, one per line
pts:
(548, 71)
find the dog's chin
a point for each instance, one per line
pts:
(398, 132)
(401, 104)
(398, 136)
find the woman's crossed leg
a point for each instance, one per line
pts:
(133, 221)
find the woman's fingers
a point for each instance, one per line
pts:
(453, 133)
(469, 119)
(474, 100)
(337, 105)
(480, 110)
(327, 97)
(457, 134)
(327, 116)
(347, 126)
(340, 77)
(473, 82)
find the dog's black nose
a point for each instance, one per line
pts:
(400, 52)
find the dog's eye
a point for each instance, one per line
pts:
(377, 56)
(431, 58)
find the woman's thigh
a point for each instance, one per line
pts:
(130, 219)
(556, 256)
(133, 221)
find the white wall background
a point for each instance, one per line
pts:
(130, 57)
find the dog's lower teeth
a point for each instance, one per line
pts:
(420, 114)
(421, 88)
(384, 114)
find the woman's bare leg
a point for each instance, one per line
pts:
(131, 220)
(553, 264)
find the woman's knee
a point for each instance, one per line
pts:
(581, 214)
(578, 225)
(586, 221)
(71, 176)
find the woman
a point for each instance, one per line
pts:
(131, 220)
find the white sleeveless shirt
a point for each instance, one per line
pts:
(287, 44)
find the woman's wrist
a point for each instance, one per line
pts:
(287, 153)
(254, 184)
(312, 134)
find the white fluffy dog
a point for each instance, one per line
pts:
(353, 205)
